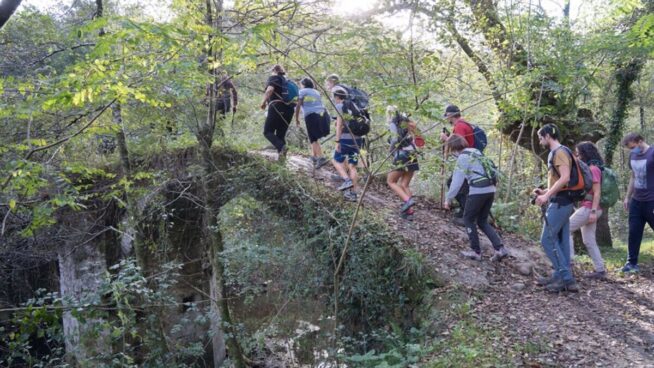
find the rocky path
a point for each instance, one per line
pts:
(608, 324)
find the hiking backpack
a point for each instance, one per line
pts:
(357, 122)
(490, 174)
(290, 91)
(581, 178)
(610, 191)
(481, 140)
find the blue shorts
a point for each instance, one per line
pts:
(349, 150)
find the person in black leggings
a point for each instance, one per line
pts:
(280, 114)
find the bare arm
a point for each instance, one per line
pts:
(630, 192)
(266, 96)
(298, 107)
(544, 196)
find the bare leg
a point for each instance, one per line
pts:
(392, 180)
(354, 177)
(405, 180)
(340, 168)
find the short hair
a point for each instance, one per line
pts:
(278, 69)
(307, 82)
(333, 78)
(632, 138)
(340, 94)
(456, 143)
(551, 130)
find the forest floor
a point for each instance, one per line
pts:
(609, 323)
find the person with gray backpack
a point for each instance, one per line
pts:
(590, 210)
(481, 175)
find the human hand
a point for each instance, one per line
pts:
(446, 205)
(625, 204)
(443, 137)
(538, 191)
(592, 218)
(338, 147)
(234, 109)
(542, 199)
(263, 106)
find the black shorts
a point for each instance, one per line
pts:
(317, 125)
(406, 161)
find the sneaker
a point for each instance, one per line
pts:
(544, 281)
(408, 204)
(597, 275)
(628, 267)
(458, 221)
(282, 154)
(313, 161)
(350, 196)
(471, 255)
(500, 255)
(320, 162)
(407, 215)
(347, 184)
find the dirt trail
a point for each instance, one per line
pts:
(608, 324)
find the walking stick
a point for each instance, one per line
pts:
(233, 113)
(443, 171)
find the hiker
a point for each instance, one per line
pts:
(316, 119)
(470, 167)
(639, 200)
(279, 114)
(347, 148)
(225, 94)
(332, 84)
(463, 129)
(405, 158)
(589, 211)
(555, 237)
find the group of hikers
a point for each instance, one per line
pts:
(574, 176)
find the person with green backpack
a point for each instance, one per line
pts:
(590, 208)
(481, 174)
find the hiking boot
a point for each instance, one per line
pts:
(282, 154)
(347, 184)
(313, 162)
(628, 267)
(597, 275)
(471, 255)
(571, 286)
(458, 221)
(560, 285)
(408, 204)
(500, 255)
(544, 281)
(320, 162)
(350, 196)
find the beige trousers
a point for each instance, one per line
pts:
(579, 220)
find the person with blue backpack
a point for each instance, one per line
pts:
(463, 129)
(280, 98)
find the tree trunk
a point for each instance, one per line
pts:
(603, 232)
(82, 266)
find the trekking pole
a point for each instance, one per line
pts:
(443, 172)
(233, 113)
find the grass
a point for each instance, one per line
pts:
(615, 258)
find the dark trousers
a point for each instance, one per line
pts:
(462, 195)
(476, 212)
(277, 123)
(640, 213)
